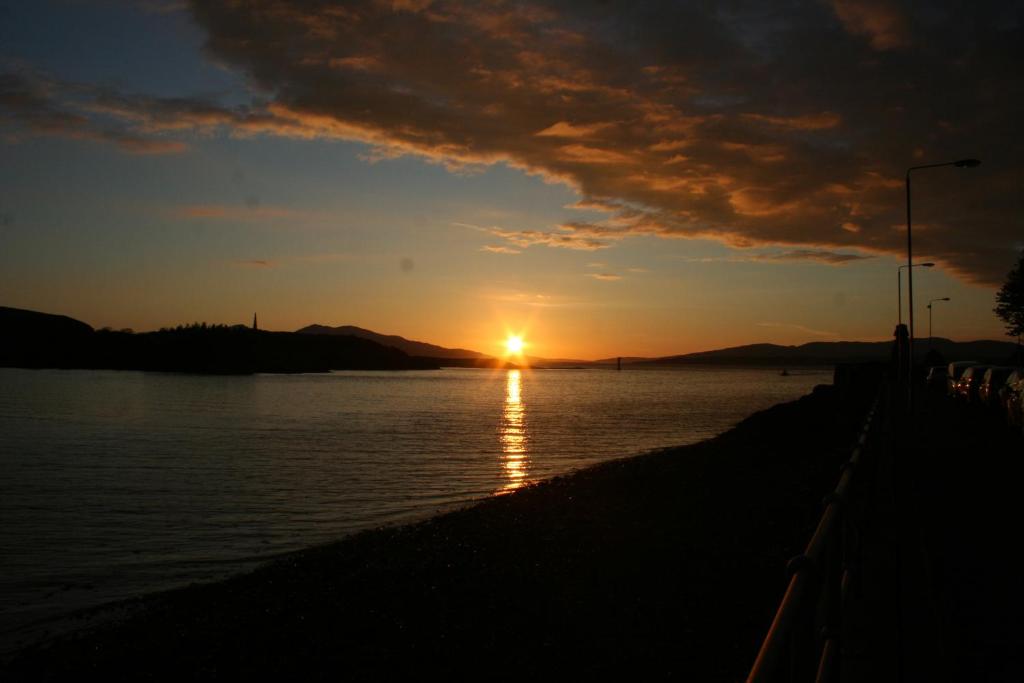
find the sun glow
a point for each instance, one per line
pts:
(514, 345)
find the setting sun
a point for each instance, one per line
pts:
(514, 344)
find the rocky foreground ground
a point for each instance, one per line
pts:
(665, 565)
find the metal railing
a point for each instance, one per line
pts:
(803, 642)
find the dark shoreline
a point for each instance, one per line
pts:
(664, 564)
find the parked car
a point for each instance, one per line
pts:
(1011, 397)
(936, 379)
(953, 373)
(991, 383)
(970, 380)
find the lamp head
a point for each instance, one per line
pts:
(967, 163)
(926, 265)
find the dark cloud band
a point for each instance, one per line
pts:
(754, 124)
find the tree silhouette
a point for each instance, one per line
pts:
(1010, 300)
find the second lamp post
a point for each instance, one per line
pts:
(960, 163)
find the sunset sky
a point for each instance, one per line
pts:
(607, 178)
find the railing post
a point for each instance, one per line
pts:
(802, 638)
(831, 596)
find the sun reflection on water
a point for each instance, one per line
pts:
(513, 433)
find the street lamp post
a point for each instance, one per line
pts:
(899, 288)
(960, 163)
(945, 298)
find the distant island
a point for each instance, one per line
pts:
(30, 339)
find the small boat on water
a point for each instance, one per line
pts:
(785, 372)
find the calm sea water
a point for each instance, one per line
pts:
(113, 484)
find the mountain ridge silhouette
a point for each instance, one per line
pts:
(410, 346)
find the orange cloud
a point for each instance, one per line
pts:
(499, 249)
(358, 62)
(819, 255)
(570, 239)
(762, 153)
(818, 121)
(879, 20)
(593, 155)
(668, 145)
(563, 129)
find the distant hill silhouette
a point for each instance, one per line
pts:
(39, 340)
(13, 319)
(827, 353)
(31, 339)
(413, 348)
